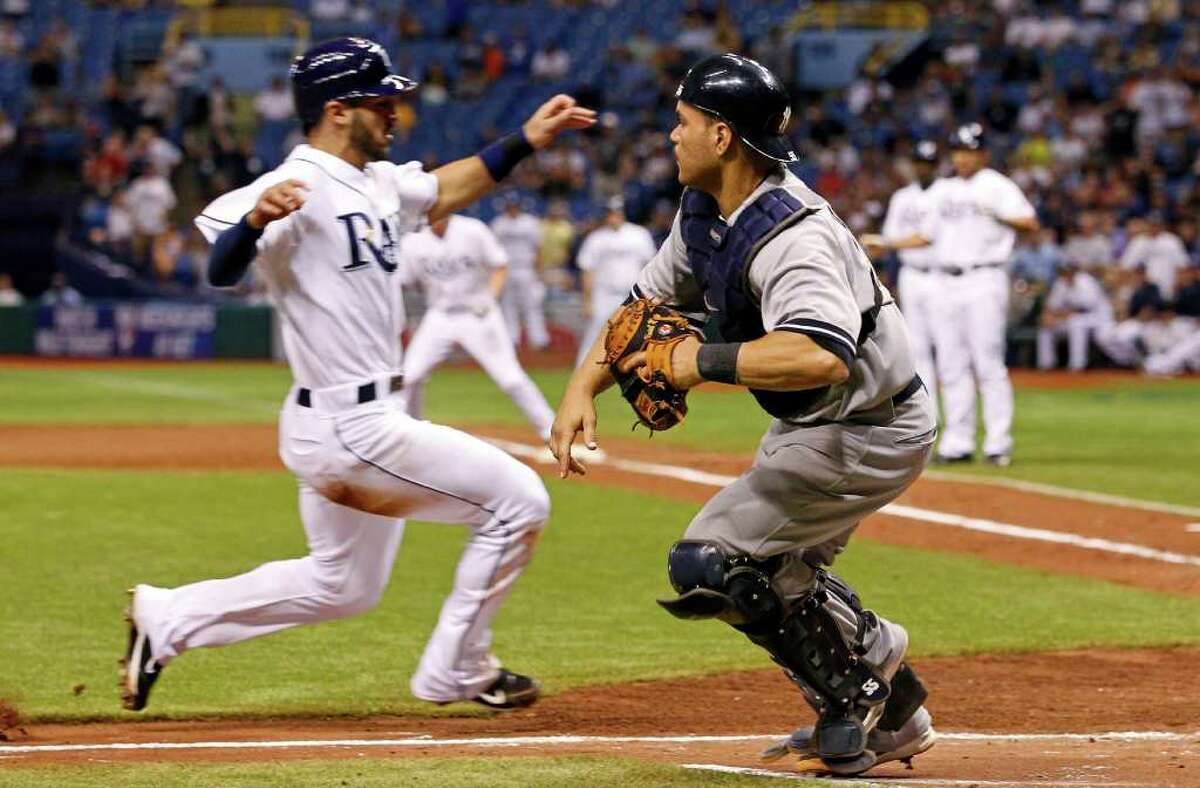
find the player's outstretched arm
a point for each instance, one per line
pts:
(462, 182)
(234, 250)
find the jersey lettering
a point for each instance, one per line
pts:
(385, 255)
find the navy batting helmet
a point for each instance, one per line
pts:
(341, 69)
(746, 95)
(969, 136)
(926, 151)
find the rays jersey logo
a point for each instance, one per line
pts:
(370, 244)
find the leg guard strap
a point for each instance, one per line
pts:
(711, 584)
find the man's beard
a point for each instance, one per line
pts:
(363, 141)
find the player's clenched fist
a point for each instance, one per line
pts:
(277, 202)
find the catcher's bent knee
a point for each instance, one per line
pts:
(714, 584)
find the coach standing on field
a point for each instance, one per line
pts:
(808, 328)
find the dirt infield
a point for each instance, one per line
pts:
(1009, 697)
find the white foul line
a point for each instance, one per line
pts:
(542, 741)
(841, 781)
(894, 509)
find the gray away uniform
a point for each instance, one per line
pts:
(832, 455)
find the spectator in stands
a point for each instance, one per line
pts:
(154, 149)
(118, 227)
(1159, 251)
(60, 292)
(14, 10)
(518, 53)
(329, 10)
(558, 235)
(1077, 308)
(408, 26)
(274, 103)
(9, 295)
(1037, 258)
(182, 64)
(8, 133)
(1187, 292)
(551, 64)
(1088, 247)
(219, 110)
(153, 95)
(493, 57)
(164, 253)
(150, 199)
(12, 40)
(697, 37)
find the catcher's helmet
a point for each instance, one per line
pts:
(339, 69)
(746, 95)
(926, 151)
(969, 136)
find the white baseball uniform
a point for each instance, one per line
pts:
(455, 270)
(614, 258)
(524, 294)
(917, 283)
(970, 314)
(1174, 347)
(1091, 313)
(363, 463)
(1163, 255)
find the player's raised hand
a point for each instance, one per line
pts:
(277, 202)
(558, 114)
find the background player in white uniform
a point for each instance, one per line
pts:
(917, 283)
(461, 266)
(520, 234)
(610, 259)
(1078, 308)
(973, 228)
(325, 228)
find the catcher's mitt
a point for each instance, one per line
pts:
(644, 325)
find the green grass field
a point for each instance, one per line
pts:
(74, 539)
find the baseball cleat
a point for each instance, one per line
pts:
(139, 670)
(999, 460)
(952, 459)
(914, 737)
(510, 691)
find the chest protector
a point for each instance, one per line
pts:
(720, 255)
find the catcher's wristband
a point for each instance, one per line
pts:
(718, 361)
(505, 153)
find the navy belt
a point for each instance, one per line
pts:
(905, 394)
(368, 392)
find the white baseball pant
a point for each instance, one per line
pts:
(1120, 341)
(362, 469)
(604, 303)
(1078, 329)
(969, 319)
(1183, 357)
(918, 290)
(486, 340)
(523, 303)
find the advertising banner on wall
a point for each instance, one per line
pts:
(135, 330)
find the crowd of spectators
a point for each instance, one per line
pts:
(1091, 107)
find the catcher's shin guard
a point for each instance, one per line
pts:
(803, 637)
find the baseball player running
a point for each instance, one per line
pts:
(461, 266)
(974, 224)
(520, 234)
(808, 328)
(325, 228)
(610, 259)
(916, 284)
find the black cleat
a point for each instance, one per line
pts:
(510, 691)
(999, 460)
(952, 459)
(138, 671)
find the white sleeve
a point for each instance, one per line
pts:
(228, 209)
(1011, 202)
(418, 189)
(493, 253)
(586, 259)
(891, 219)
(646, 242)
(1057, 298)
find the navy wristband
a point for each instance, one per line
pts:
(232, 253)
(717, 361)
(505, 153)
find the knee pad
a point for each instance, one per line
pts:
(711, 583)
